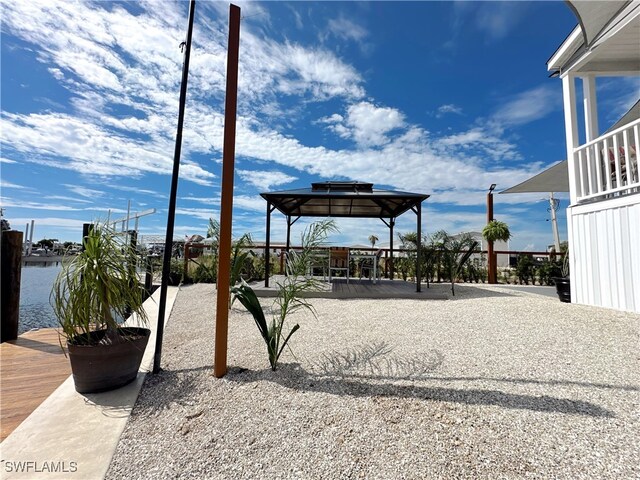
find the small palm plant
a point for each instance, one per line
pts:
(290, 291)
(372, 240)
(454, 253)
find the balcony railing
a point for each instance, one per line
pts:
(608, 166)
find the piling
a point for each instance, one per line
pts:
(11, 264)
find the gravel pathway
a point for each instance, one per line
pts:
(494, 383)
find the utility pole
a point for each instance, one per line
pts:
(554, 203)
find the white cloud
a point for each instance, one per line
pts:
(7, 160)
(346, 29)
(84, 191)
(57, 73)
(213, 200)
(528, 106)
(253, 203)
(365, 123)
(6, 184)
(264, 180)
(496, 19)
(201, 213)
(24, 204)
(66, 199)
(448, 108)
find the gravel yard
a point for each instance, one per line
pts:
(493, 383)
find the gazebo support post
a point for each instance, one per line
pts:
(392, 222)
(418, 211)
(267, 247)
(288, 245)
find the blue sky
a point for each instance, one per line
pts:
(443, 98)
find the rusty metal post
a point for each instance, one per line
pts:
(11, 264)
(226, 201)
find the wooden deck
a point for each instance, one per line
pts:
(31, 368)
(359, 289)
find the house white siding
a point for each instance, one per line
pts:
(605, 253)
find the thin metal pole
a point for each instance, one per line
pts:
(288, 238)
(490, 254)
(168, 242)
(391, 266)
(226, 197)
(419, 243)
(267, 247)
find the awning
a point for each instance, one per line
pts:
(554, 179)
(596, 16)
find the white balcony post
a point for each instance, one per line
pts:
(590, 107)
(571, 130)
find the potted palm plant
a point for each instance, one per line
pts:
(93, 294)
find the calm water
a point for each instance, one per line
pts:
(35, 287)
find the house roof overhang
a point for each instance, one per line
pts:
(605, 42)
(343, 199)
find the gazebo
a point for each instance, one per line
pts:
(343, 199)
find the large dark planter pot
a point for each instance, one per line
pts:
(563, 288)
(101, 367)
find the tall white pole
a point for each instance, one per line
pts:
(31, 236)
(128, 213)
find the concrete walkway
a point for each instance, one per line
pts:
(72, 435)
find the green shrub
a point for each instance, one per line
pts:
(547, 270)
(206, 270)
(176, 271)
(525, 269)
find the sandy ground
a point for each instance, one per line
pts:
(494, 383)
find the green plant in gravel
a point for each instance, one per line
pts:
(98, 288)
(458, 251)
(290, 292)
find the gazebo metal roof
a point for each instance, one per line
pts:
(343, 199)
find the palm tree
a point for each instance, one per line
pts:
(373, 239)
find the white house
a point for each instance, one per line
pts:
(604, 180)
